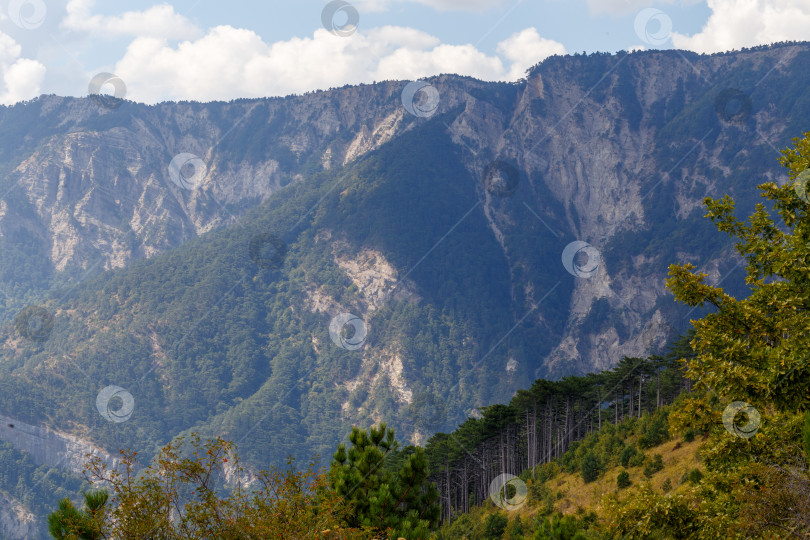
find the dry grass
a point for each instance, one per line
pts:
(577, 494)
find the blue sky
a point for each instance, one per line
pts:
(205, 50)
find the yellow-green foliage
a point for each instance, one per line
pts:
(693, 413)
(647, 513)
(180, 495)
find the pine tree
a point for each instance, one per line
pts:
(398, 500)
(590, 467)
(70, 523)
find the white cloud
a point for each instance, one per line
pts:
(524, 50)
(624, 7)
(461, 5)
(439, 5)
(157, 21)
(734, 24)
(229, 62)
(22, 77)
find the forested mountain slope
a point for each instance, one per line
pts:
(448, 237)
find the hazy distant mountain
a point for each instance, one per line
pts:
(517, 230)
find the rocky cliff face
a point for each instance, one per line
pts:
(16, 521)
(48, 447)
(97, 189)
(595, 154)
(51, 447)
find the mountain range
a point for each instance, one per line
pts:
(277, 270)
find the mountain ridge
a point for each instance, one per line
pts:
(443, 234)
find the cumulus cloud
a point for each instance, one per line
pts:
(525, 48)
(157, 21)
(230, 62)
(22, 77)
(734, 24)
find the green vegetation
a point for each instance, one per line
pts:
(654, 466)
(623, 480)
(196, 489)
(627, 454)
(590, 467)
(70, 523)
(398, 500)
(37, 487)
(557, 426)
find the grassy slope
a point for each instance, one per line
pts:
(679, 458)
(572, 496)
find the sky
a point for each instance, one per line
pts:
(208, 50)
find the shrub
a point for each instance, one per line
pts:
(647, 514)
(461, 527)
(562, 527)
(609, 445)
(694, 476)
(290, 503)
(627, 453)
(654, 466)
(637, 460)
(547, 471)
(689, 435)
(495, 525)
(623, 480)
(590, 467)
(627, 427)
(666, 487)
(656, 433)
(514, 531)
(538, 492)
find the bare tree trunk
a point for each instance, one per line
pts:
(599, 406)
(616, 409)
(640, 381)
(657, 386)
